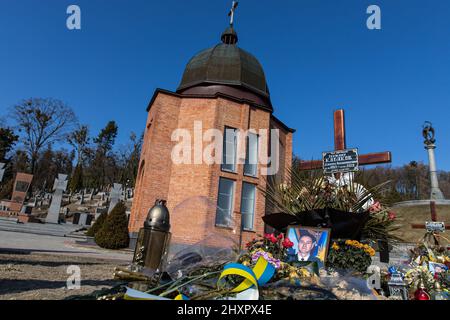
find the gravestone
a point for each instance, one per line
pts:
(59, 187)
(2, 170)
(90, 195)
(82, 218)
(21, 186)
(116, 193)
(81, 200)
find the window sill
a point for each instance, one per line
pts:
(222, 226)
(228, 171)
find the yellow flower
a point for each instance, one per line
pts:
(370, 251)
(335, 246)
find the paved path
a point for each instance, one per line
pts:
(28, 242)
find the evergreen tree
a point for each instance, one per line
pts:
(98, 224)
(114, 232)
(76, 182)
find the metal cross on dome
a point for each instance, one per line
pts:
(340, 144)
(231, 13)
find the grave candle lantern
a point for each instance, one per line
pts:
(397, 287)
(420, 293)
(154, 238)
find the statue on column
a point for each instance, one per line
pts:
(428, 133)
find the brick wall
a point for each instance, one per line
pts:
(191, 190)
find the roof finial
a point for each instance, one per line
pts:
(231, 13)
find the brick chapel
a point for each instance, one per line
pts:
(223, 87)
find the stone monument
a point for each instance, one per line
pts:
(428, 134)
(59, 187)
(2, 170)
(116, 193)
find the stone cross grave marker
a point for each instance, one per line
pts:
(116, 193)
(59, 187)
(340, 144)
(2, 170)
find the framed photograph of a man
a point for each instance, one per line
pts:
(310, 244)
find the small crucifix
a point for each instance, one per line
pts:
(340, 144)
(231, 13)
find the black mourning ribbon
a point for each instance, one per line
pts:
(343, 225)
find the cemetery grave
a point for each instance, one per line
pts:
(168, 216)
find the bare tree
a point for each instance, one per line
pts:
(42, 122)
(79, 139)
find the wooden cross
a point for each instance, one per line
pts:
(433, 218)
(231, 13)
(340, 144)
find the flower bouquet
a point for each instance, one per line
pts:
(261, 271)
(350, 255)
(343, 205)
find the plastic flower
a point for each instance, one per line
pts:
(391, 215)
(260, 253)
(287, 243)
(267, 256)
(376, 207)
(275, 262)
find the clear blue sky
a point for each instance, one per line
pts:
(318, 56)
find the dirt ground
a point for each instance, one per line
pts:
(38, 276)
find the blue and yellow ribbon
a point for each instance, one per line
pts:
(261, 273)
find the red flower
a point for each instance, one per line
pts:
(391, 215)
(280, 236)
(287, 243)
(271, 237)
(375, 207)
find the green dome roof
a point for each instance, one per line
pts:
(225, 64)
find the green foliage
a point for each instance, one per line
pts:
(7, 142)
(76, 182)
(107, 136)
(6, 189)
(97, 225)
(114, 232)
(350, 255)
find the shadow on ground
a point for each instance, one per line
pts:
(9, 286)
